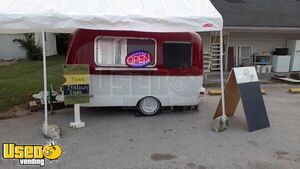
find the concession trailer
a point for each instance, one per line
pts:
(148, 70)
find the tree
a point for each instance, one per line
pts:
(33, 52)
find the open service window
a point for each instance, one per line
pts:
(177, 54)
(112, 51)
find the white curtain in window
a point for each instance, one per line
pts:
(120, 51)
(111, 51)
(105, 51)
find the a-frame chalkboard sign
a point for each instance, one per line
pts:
(243, 84)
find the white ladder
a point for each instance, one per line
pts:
(215, 56)
(206, 61)
(215, 60)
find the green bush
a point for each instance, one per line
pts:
(33, 52)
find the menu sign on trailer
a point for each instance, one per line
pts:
(76, 87)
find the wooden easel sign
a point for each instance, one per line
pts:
(243, 84)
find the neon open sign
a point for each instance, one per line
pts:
(138, 59)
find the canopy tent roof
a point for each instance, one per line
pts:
(23, 16)
(137, 15)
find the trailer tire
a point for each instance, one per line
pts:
(149, 106)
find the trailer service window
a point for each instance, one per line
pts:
(177, 54)
(112, 51)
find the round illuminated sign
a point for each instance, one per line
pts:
(138, 59)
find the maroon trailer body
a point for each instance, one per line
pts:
(170, 71)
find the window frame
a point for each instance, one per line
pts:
(182, 42)
(124, 65)
(239, 57)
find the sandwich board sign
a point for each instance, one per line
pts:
(76, 87)
(243, 84)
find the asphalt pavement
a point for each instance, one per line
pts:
(115, 139)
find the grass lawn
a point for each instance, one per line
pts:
(20, 80)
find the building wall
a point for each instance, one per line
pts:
(10, 50)
(261, 41)
(50, 43)
(206, 39)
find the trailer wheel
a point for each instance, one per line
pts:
(149, 106)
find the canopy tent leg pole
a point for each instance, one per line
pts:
(77, 122)
(221, 72)
(220, 123)
(45, 84)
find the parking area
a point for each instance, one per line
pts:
(116, 139)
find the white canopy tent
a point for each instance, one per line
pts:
(137, 15)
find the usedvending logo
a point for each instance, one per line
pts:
(32, 154)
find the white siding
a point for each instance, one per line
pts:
(261, 41)
(10, 50)
(206, 39)
(50, 43)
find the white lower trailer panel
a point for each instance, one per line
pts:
(124, 90)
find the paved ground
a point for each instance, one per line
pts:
(114, 138)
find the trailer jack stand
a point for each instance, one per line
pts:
(77, 122)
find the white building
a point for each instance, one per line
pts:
(10, 50)
(254, 26)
